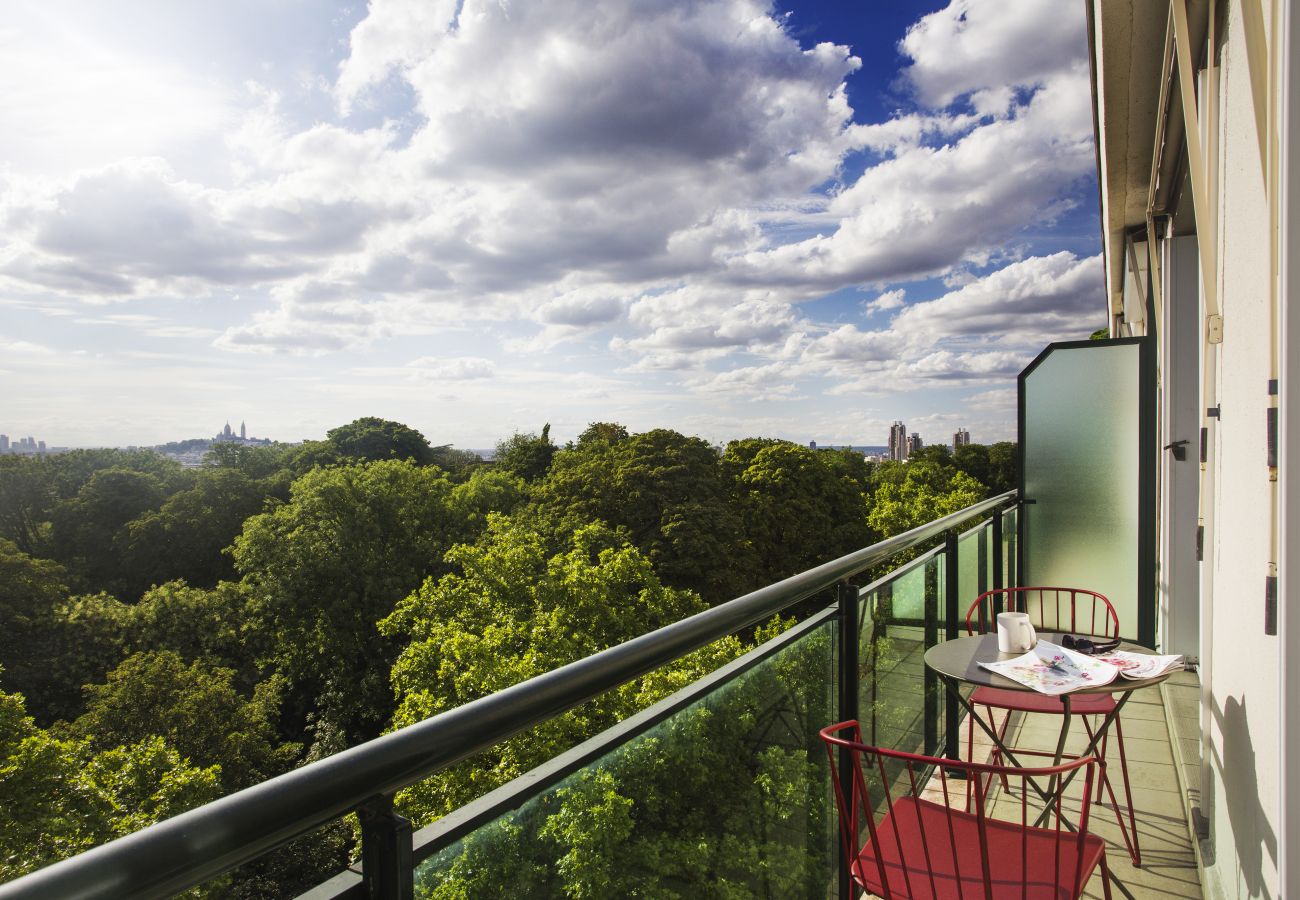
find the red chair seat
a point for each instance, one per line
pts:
(949, 839)
(1034, 702)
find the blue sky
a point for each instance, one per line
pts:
(476, 217)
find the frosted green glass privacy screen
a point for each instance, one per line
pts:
(1081, 431)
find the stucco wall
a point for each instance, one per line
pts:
(1243, 810)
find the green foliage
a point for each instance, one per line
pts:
(252, 461)
(509, 613)
(1004, 467)
(915, 492)
(993, 465)
(528, 456)
(939, 454)
(310, 455)
(195, 623)
(30, 592)
(666, 490)
(60, 797)
(69, 472)
(86, 528)
(26, 498)
(486, 491)
(188, 536)
(455, 462)
(196, 708)
(609, 432)
(799, 507)
(323, 568)
(51, 643)
(374, 439)
(1101, 334)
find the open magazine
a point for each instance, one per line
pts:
(1052, 669)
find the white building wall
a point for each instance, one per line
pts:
(1244, 767)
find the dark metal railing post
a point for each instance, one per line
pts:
(930, 618)
(982, 567)
(999, 553)
(952, 748)
(387, 866)
(847, 596)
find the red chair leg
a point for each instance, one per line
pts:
(1105, 876)
(1134, 851)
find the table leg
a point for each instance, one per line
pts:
(1129, 832)
(1054, 795)
(951, 685)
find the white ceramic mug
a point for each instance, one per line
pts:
(1015, 633)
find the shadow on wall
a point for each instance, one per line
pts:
(1252, 834)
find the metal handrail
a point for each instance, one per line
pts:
(200, 844)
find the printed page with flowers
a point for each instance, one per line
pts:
(1050, 669)
(1137, 666)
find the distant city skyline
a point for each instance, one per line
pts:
(714, 218)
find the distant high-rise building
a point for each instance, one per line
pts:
(914, 443)
(243, 432)
(812, 445)
(961, 438)
(898, 441)
(4, 443)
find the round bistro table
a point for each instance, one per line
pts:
(956, 662)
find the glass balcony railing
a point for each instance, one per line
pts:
(719, 790)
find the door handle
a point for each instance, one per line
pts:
(1179, 448)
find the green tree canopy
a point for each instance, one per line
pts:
(1004, 467)
(26, 497)
(86, 528)
(609, 432)
(666, 489)
(800, 507)
(509, 612)
(253, 461)
(527, 455)
(196, 623)
(61, 797)
(302, 458)
(374, 439)
(187, 537)
(323, 568)
(939, 454)
(31, 591)
(915, 492)
(196, 709)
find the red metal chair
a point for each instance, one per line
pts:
(1071, 611)
(927, 848)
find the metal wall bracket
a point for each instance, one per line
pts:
(1270, 604)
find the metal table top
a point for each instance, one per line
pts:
(959, 658)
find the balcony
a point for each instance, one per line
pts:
(719, 790)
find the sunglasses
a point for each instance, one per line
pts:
(1088, 646)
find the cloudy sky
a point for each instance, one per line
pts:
(478, 216)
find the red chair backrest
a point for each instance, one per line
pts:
(1069, 610)
(931, 849)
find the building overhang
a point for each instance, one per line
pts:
(1137, 120)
